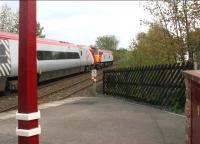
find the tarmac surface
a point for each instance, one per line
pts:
(100, 120)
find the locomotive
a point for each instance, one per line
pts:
(103, 57)
(55, 59)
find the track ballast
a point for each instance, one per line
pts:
(56, 90)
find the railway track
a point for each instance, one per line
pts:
(57, 90)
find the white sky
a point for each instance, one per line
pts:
(81, 22)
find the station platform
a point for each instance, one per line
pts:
(100, 120)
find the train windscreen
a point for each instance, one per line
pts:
(95, 51)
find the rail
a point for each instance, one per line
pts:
(57, 90)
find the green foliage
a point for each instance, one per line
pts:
(179, 17)
(8, 19)
(122, 57)
(108, 42)
(126, 60)
(194, 42)
(174, 33)
(118, 54)
(157, 46)
(39, 31)
(9, 22)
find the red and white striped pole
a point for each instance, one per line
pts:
(28, 129)
(94, 79)
(94, 75)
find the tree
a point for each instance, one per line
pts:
(9, 22)
(119, 53)
(7, 19)
(39, 31)
(179, 17)
(194, 42)
(15, 27)
(108, 42)
(156, 46)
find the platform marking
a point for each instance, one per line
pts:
(12, 114)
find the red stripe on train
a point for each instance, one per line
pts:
(12, 36)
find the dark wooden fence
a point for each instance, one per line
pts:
(161, 85)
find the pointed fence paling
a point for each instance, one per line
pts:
(161, 85)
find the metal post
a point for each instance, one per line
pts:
(94, 88)
(94, 80)
(28, 130)
(104, 82)
(195, 61)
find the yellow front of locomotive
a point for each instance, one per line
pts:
(98, 56)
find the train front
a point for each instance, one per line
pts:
(4, 63)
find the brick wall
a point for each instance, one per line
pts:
(188, 111)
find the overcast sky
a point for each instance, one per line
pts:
(81, 22)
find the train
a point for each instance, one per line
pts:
(55, 59)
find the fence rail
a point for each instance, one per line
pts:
(159, 85)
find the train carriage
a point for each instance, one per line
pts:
(5, 63)
(54, 58)
(103, 57)
(106, 58)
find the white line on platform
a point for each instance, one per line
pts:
(12, 114)
(140, 104)
(7, 115)
(180, 115)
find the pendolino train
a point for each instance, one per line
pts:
(54, 59)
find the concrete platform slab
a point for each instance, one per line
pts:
(101, 120)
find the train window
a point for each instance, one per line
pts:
(48, 55)
(62, 56)
(69, 55)
(39, 55)
(95, 50)
(73, 55)
(44, 55)
(53, 55)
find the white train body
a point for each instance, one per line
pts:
(54, 58)
(107, 56)
(84, 58)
